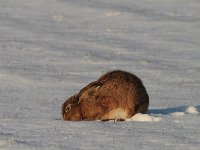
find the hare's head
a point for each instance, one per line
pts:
(71, 109)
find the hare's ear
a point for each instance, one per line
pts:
(89, 90)
(93, 89)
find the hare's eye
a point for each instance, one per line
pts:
(68, 108)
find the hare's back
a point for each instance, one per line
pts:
(120, 76)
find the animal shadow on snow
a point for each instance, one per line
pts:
(167, 111)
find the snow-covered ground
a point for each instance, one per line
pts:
(50, 49)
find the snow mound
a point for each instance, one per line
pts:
(192, 110)
(176, 111)
(188, 110)
(143, 118)
(178, 114)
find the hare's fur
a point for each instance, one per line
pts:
(115, 95)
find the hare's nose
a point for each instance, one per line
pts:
(63, 110)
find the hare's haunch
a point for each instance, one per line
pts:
(115, 95)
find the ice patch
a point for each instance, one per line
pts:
(143, 118)
(7, 142)
(110, 14)
(57, 18)
(192, 110)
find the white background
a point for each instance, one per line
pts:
(50, 49)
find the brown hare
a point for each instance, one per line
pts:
(117, 95)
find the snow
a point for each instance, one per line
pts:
(50, 49)
(192, 110)
(144, 118)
